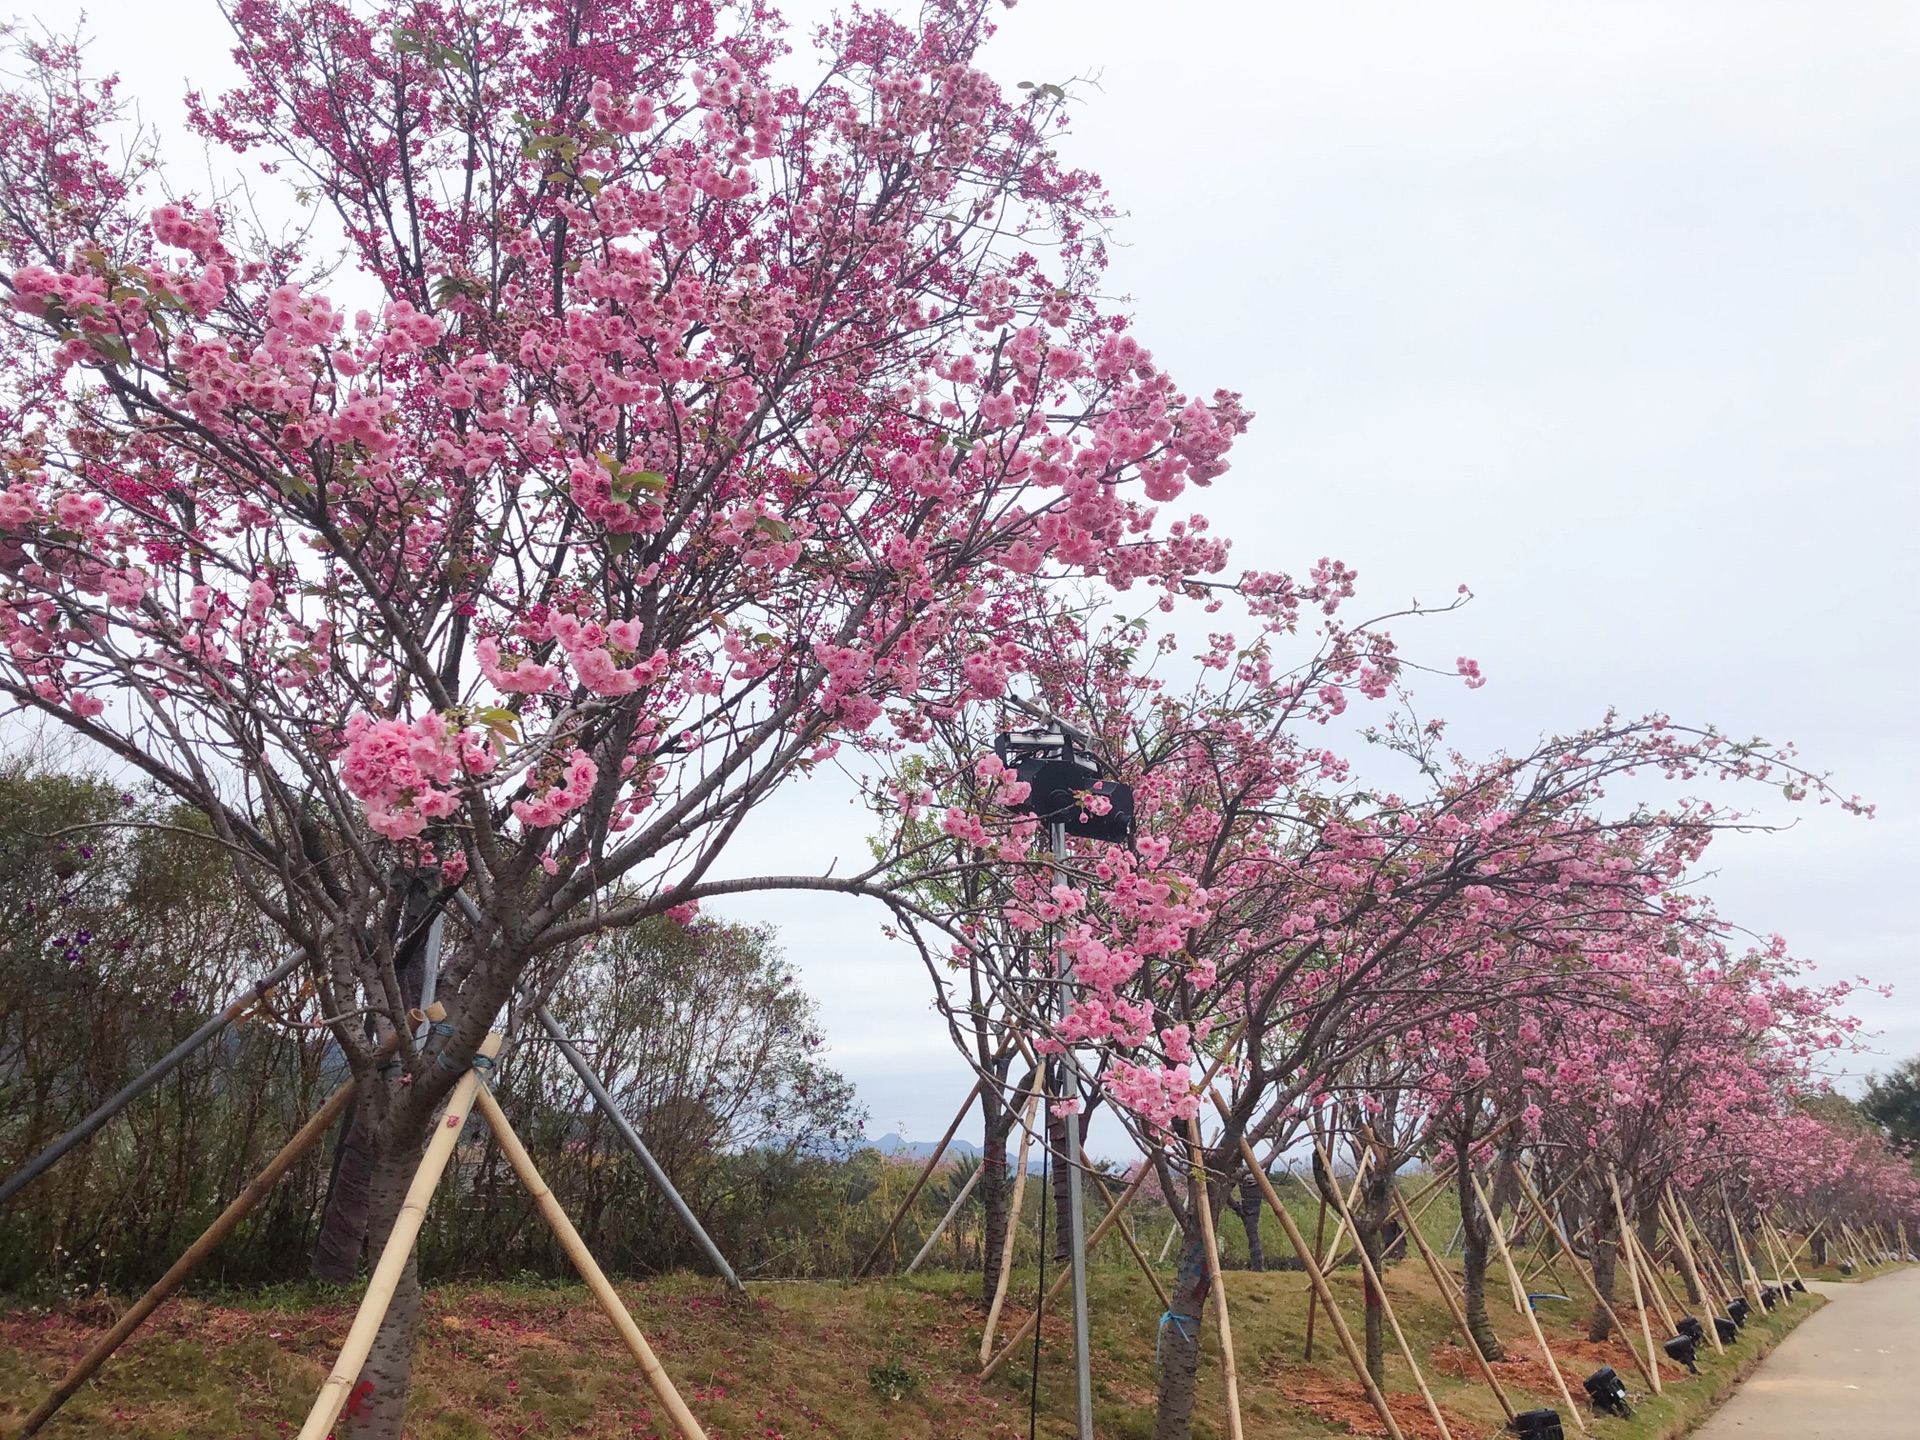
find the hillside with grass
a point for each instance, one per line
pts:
(894, 1357)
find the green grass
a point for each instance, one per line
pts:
(885, 1360)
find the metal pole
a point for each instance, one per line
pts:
(1076, 1208)
(560, 1037)
(153, 1075)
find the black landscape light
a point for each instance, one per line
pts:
(1846, 1268)
(1725, 1329)
(1608, 1392)
(1053, 760)
(1692, 1329)
(1538, 1425)
(1680, 1350)
(1800, 1285)
(1738, 1310)
(1769, 1298)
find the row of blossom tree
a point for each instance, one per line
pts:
(710, 428)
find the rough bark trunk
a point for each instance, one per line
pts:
(1477, 1240)
(1062, 1218)
(1605, 1251)
(1249, 1208)
(343, 1222)
(1369, 1221)
(1819, 1247)
(996, 1185)
(1179, 1346)
(378, 1404)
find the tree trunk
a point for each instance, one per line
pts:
(1819, 1247)
(378, 1403)
(1179, 1346)
(1369, 1223)
(996, 1186)
(1605, 1250)
(1251, 1206)
(1476, 1238)
(343, 1220)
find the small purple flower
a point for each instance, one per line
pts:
(86, 852)
(179, 996)
(70, 954)
(83, 937)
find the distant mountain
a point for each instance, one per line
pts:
(892, 1144)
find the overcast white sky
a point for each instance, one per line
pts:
(1610, 311)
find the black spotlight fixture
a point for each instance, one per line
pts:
(1680, 1350)
(1538, 1425)
(1053, 760)
(1738, 1310)
(1692, 1329)
(1769, 1297)
(1725, 1329)
(1800, 1285)
(1608, 1392)
(1846, 1267)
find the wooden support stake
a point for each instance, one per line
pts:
(1671, 1218)
(1013, 1222)
(1454, 1308)
(1111, 1219)
(1126, 1234)
(1750, 1281)
(1197, 1163)
(229, 1220)
(1627, 1248)
(556, 1217)
(946, 1219)
(1319, 1239)
(1657, 1285)
(1646, 1366)
(1386, 1308)
(1317, 1278)
(393, 1258)
(914, 1193)
(1321, 1257)
(1525, 1307)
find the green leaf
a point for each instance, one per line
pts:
(590, 184)
(619, 543)
(779, 529)
(501, 721)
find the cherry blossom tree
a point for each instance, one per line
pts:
(694, 430)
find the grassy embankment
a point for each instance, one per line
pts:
(890, 1358)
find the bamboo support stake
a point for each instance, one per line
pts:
(1166, 1249)
(1322, 1257)
(1013, 1225)
(393, 1258)
(1729, 1287)
(1656, 1283)
(1626, 1248)
(1319, 1239)
(918, 1184)
(1386, 1308)
(1750, 1282)
(1440, 1279)
(556, 1217)
(1111, 1219)
(1318, 1280)
(1197, 1163)
(946, 1219)
(1126, 1234)
(1646, 1366)
(1525, 1307)
(1671, 1217)
(229, 1220)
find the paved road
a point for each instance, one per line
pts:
(1851, 1372)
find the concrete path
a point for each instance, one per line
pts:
(1851, 1371)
